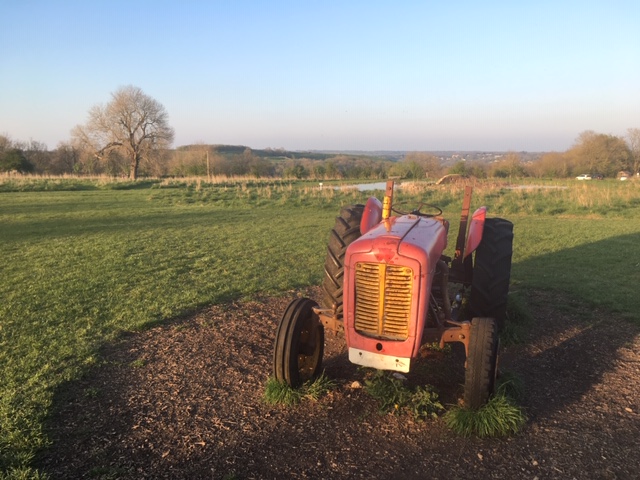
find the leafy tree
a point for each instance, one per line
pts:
(65, 159)
(476, 169)
(553, 164)
(297, 170)
(421, 165)
(319, 171)
(399, 169)
(459, 168)
(600, 153)
(13, 160)
(261, 167)
(331, 170)
(131, 124)
(508, 166)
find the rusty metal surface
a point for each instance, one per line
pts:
(329, 320)
(462, 270)
(459, 332)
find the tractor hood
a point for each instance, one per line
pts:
(420, 238)
(388, 274)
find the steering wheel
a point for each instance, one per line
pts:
(416, 211)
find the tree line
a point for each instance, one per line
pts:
(130, 136)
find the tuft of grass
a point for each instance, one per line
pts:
(279, 393)
(394, 396)
(499, 417)
(138, 363)
(25, 473)
(318, 387)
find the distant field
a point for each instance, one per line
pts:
(84, 260)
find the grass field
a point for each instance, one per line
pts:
(83, 261)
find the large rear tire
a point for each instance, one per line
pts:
(299, 346)
(492, 271)
(345, 231)
(482, 362)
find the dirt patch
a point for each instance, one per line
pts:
(184, 401)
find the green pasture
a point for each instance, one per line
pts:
(82, 261)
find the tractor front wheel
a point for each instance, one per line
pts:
(482, 362)
(299, 346)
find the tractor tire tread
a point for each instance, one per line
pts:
(492, 271)
(481, 363)
(345, 231)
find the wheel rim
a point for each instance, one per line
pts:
(299, 345)
(309, 349)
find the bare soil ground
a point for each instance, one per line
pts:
(184, 401)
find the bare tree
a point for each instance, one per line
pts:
(5, 142)
(633, 136)
(66, 159)
(37, 154)
(132, 123)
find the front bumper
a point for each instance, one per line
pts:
(379, 361)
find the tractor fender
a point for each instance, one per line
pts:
(475, 230)
(371, 216)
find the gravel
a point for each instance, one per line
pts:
(184, 401)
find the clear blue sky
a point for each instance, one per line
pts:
(368, 75)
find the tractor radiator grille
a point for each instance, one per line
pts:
(383, 300)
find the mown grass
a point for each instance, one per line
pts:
(83, 262)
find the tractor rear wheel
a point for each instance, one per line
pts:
(297, 356)
(345, 231)
(482, 362)
(492, 271)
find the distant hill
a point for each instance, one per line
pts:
(447, 157)
(279, 153)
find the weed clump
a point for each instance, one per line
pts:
(394, 396)
(499, 417)
(279, 393)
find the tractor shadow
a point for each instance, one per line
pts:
(566, 354)
(573, 342)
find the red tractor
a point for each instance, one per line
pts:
(390, 289)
